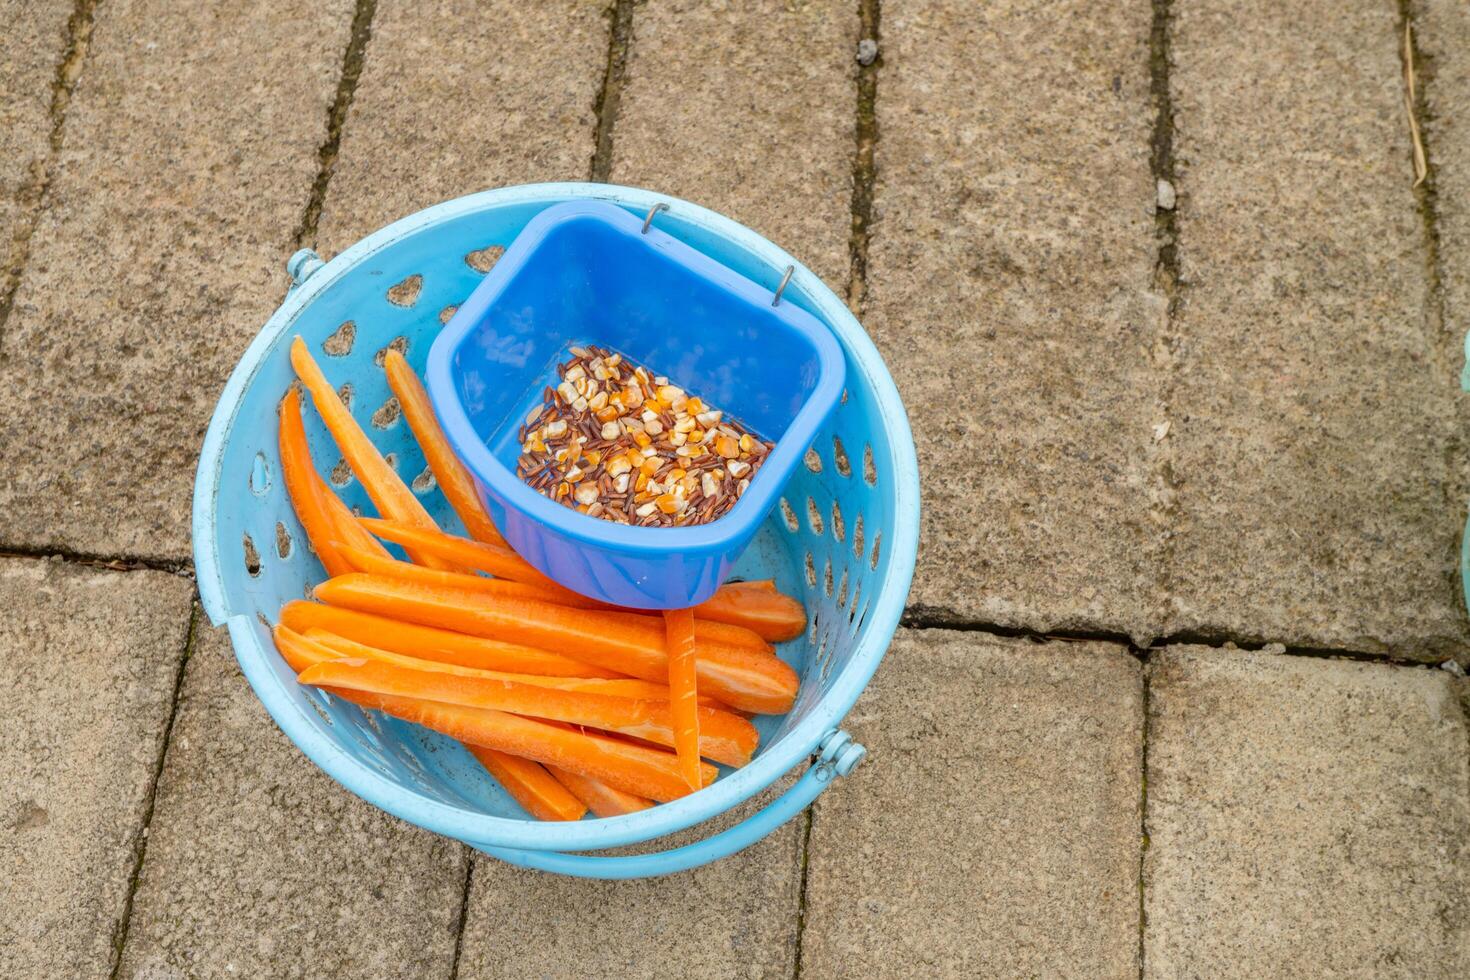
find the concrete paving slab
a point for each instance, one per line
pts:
(31, 47)
(1010, 288)
(190, 150)
(259, 865)
(995, 829)
(458, 96)
(88, 661)
(736, 918)
(1311, 405)
(1306, 817)
(747, 108)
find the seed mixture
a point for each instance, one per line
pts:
(614, 441)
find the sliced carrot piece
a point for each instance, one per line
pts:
(302, 485)
(346, 526)
(390, 567)
(704, 630)
(383, 485)
(683, 688)
(449, 472)
(600, 798)
(631, 768)
(750, 680)
(497, 560)
(428, 643)
(617, 687)
(543, 796)
(299, 652)
(726, 738)
(756, 606)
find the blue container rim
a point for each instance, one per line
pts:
(471, 826)
(752, 507)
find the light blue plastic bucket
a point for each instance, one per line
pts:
(843, 536)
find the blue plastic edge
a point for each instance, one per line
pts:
(752, 507)
(478, 828)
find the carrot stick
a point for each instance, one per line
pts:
(601, 798)
(543, 796)
(725, 633)
(428, 643)
(302, 485)
(631, 768)
(727, 738)
(750, 680)
(383, 485)
(618, 687)
(756, 606)
(299, 652)
(390, 567)
(348, 530)
(449, 472)
(497, 560)
(683, 687)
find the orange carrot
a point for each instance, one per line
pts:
(756, 606)
(382, 484)
(683, 689)
(631, 768)
(750, 680)
(726, 737)
(390, 567)
(725, 633)
(428, 643)
(497, 560)
(449, 472)
(299, 652)
(618, 687)
(543, 796)
(346, 526)
(302, 485)
(601, 798)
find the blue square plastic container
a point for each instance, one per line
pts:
(588, 272)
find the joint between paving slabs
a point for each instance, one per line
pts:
(1417, 76)
(33, 194)
(115, 563)
(803, 865)
(609, 95)
(927, 618)
(352, 60)
(464, 912)
(1164, 505)
(1143, 837)
(140, 844)
(864, 164)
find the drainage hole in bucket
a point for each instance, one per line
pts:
(811, 571)
(424, 482)
(827, 579)
(339, 343)
(839, 457)
(813, 461)
(839, 526)
(857, 537)
(870, 472)
(346, 393)
(446, 314)
(252, 557)
(877, 545)
(260, 476)
(842, 590)
(484, 259)
(399, 343)
(283, 541)
(789, 516)
(341, 474)
(387, 413)
(406, 292)
(813, 516)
